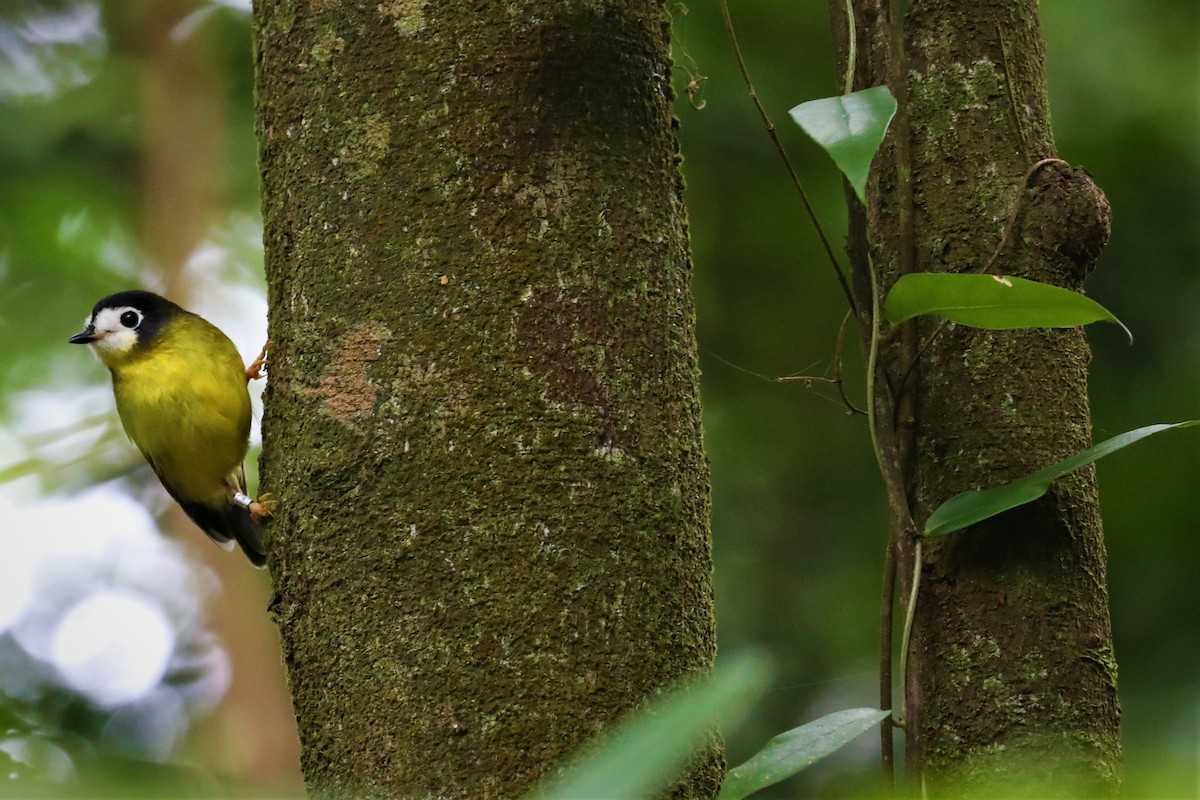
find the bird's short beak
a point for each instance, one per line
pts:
(85, 336)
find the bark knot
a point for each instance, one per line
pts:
(1068, 215)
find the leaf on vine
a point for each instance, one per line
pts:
(976, 505)
(998, 302)
(849, 128)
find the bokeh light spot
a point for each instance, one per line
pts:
(113, 647)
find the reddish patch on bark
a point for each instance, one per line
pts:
(346, 388)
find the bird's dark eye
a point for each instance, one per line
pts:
(131, 319)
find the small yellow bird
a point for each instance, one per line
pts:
(181, 395)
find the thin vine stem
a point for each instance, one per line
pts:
(787, 162)
(851, 48)
(886, 623)
(872, 362)
(838, 378)
(1015, 209)
(889, 574)
(909, 613)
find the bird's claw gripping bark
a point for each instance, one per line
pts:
(255, 370)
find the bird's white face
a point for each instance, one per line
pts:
(115, 331)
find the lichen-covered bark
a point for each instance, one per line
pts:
(482, 424)
(1015, 681)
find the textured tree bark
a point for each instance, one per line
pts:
(483, 423)
(1012, 679)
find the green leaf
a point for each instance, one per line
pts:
(976, 505)
(641, 755)
(849, 128)
(992, 301)
(790, 752)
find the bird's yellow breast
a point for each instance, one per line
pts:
(183, 401)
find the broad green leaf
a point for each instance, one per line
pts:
(976, 505)
(849, 128)
(992, 301)
(790, 752)
(639, 756)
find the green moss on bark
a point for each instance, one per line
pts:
(483, 422)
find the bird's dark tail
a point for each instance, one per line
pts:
(227, 523)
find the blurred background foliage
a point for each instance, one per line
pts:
(127, 158)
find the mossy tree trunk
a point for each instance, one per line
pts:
(1012, 680)
(482, 424)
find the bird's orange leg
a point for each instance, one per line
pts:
(262, 507)
(255, 370)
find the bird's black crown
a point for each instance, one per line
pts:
(156, 310)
